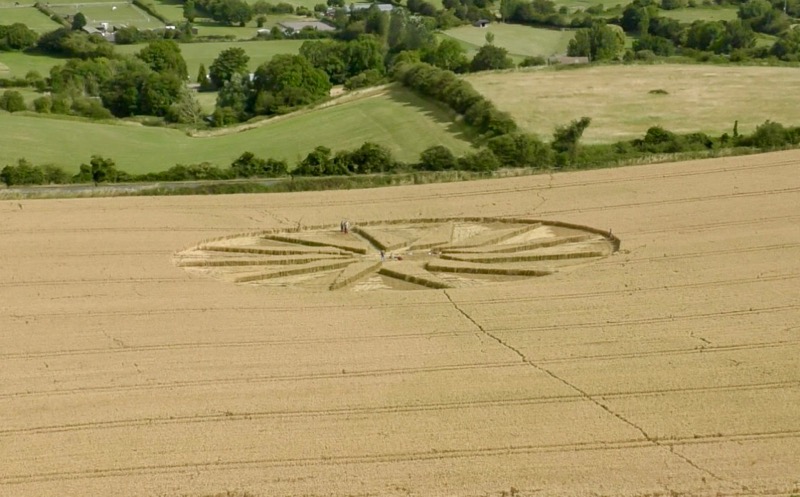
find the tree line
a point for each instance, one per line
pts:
(511, 150)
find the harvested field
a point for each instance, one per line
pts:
(666, 368)
(622, 105)
(320, 254)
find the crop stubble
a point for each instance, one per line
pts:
(670, 366)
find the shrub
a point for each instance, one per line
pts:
(533, 61)
(12, 101)
(43, 105)
(437, 158)
(91, 108)
(367, 78)
(24, 173)
(250, 166)
(483, 160)
(772, 135)
(520, 150)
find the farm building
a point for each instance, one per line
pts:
(289, 27)
(481, 23)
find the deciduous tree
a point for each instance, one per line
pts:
(229, 62)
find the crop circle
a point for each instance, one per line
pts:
(400, 255)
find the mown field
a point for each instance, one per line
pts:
(618, 98)
(520, 41)
(114, 13)
(397, 118)
(18, 64)
(669, 368)
(28, 16)
(689, 15)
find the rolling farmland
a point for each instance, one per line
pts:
(397, 118)
(622, 106)
(667, 368)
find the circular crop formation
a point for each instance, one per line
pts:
(400, 255)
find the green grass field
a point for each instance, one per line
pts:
(18, 64)
(173, 10)
(618, 99)
(520, 41)
(205, 53)
(309, 4)
(117, 14)
(689, 15)
(583, 4)
(398, 119)
(28, 16)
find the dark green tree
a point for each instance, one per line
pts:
(364, 53)
(328, 56)
(229, 62)
(77, 44)
(202, 77)
(491, 57)
(79, 21)
(235, 94)
(370, 158)
(482, 160)
(248, 165)
(566, 138)
(377, 23)
(136, 89)
(186, 109)
(449, 55)
(17, 36)
(12, 101)
(24, 173)
(787, 46)
(189, 10)
(319, 163)
(82, 77)
(164, 56)
(520, 150)
(600, 42)
(99, 170)
(288, 81)
(437, 158)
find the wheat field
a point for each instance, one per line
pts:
(667, 368)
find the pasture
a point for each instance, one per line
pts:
(205, 53)
(18, 64)
(520, 41)
(113, 13)
(669, 368)
(618, 98)
(396, 118)
(28, 16)
(689, 15)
